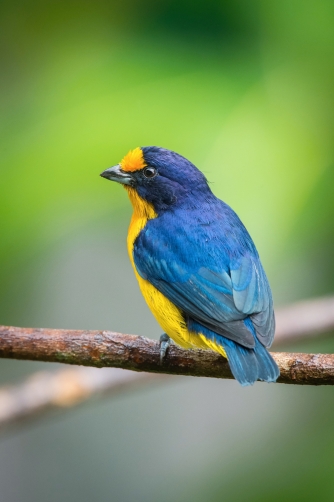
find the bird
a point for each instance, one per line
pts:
(196, 264)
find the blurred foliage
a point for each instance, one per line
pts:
(245, 91)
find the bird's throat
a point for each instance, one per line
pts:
(142, 212)
(141, 209)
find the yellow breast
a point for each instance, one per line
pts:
(166, 313)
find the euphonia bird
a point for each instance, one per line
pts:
(197, 266)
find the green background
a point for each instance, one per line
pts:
(244, 89)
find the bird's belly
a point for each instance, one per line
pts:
(172, 321)
(168, 315)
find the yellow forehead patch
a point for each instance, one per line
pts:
(133, 161)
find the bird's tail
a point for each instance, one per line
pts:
(249, 365)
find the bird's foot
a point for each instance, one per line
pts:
(165, 342)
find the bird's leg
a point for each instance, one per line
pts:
(165, 342)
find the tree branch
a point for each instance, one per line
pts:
(46, 391)
(109, 349)
(304, 319)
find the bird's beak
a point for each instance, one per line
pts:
(115, 173)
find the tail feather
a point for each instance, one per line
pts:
(247, 365)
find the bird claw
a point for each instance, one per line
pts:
(165, 342)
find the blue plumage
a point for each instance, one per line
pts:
(198, 254)
(247, 365)
(206, 263)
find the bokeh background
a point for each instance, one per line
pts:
(244, 89)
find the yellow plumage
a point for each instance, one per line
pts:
(166, 313)
(133, 160)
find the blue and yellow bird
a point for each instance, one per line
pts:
(196, 264)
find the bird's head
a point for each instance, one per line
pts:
(159, 177)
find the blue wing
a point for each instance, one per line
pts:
(206, 264)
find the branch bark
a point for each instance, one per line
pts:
(109, 349)
(44, 392)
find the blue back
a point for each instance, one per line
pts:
(200, 256)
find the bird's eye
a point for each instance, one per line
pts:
(149, 172)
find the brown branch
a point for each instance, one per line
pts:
(47, 391)
(108, 349)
